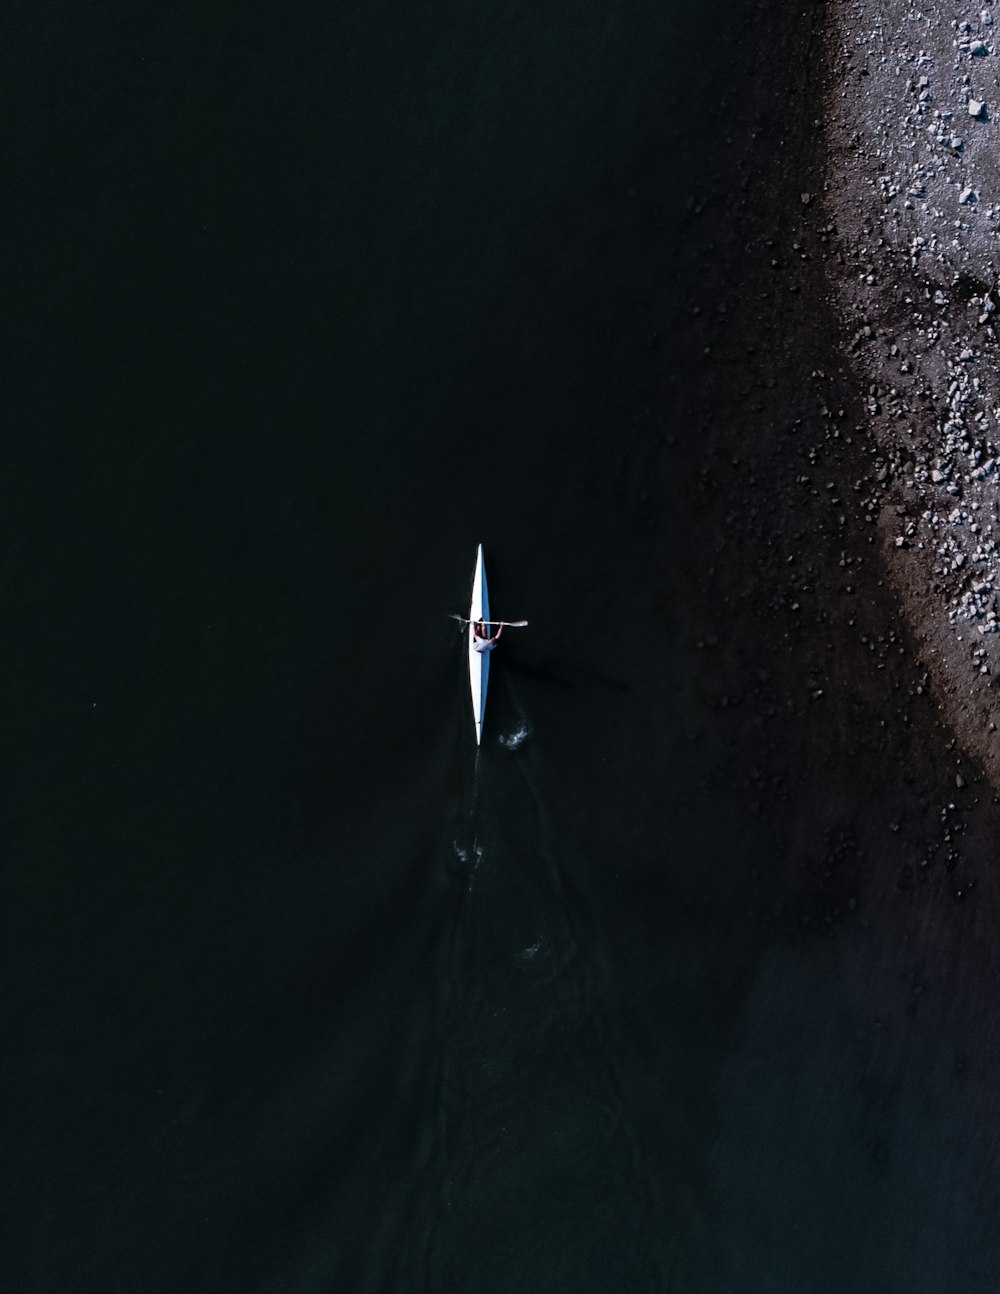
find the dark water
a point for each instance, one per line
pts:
(301, 993)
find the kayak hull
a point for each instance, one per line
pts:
(479, 662)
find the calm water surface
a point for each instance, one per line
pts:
(303, 994)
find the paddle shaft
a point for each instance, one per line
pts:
(509, 624)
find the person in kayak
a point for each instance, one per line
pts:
(481, 640)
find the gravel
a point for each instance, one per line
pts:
(916, 207)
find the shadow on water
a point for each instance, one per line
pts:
(561, 672)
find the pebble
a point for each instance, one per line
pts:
(976, 107)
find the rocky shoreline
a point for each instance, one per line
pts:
(831, 692)
(824, 661)
(913, 191)
(831, 406)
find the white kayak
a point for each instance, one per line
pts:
(479, 661)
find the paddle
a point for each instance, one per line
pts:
(508, 624)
